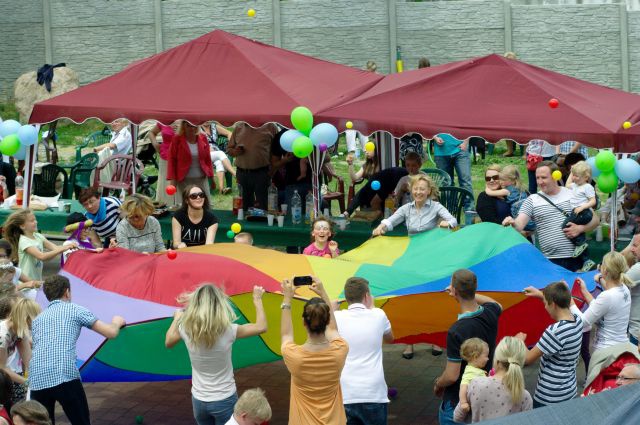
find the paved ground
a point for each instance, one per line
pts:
(168, 403)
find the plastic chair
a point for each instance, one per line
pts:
(337, 195)
(80, 175)
(44, 184)
(453, 198)
(439, 177)
(121, 176)
(96, 138)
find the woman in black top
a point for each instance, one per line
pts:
(490, 209)
(194, 223)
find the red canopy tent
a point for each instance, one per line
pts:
(217, 76)
(495, 98)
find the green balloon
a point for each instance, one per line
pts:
(10, 145)
(302, 120)
(608, 182)
(605, 161)
(230, 234)
(302, 147)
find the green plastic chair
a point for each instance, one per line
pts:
(44, 184)
(80, 175)
(439, 177)
(453, 198)
(96, 138)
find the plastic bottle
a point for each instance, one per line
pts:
(272, 199)
(389, 205)
(19, 189)
(296, 208)
(308, 210)
(237, 201)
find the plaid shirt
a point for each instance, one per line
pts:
(55, 333)
(566, 147)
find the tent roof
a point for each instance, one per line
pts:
(495, 98)
(217, 76)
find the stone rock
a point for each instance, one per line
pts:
(28, 92)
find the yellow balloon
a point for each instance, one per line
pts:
(626, 125)
(349, 124)
(236, 228)
(556, 175)
(369, 147)
(251, 13)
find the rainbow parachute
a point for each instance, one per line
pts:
(406, 274)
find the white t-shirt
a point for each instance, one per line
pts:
(362, 378)
(231, 421)
(541, 147)
(610, 311)
(580, 195)
(634, 318)
(123, 142)
(212, 370)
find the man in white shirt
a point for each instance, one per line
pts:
(121, 141)
(365, 328)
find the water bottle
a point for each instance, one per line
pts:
(296, 208)
(272, 199)
(389, 205)
(309, 210)
(19, 189)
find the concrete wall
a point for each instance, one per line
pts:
(599, 43)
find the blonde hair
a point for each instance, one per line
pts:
(616, 266)
(510, 354)
(254, 403)
(12, 231)
(207, 316)
(22, 314)
(413, 180)
(137, 204)
(511, 173)
(472, 348)
(581, 169)
(493, 167)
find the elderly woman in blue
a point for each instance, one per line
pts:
(423, 214)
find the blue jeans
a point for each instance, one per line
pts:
(366, 413)
(213, 412)
(461, 162)
(445, 413)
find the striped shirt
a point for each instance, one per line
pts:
(560, 345)
(107, 227)
(552, 240)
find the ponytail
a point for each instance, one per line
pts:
(510, 354)
(514, 380)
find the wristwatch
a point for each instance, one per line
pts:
(284, 306)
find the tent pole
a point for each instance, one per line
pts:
(29, 163)
(613, 219)
(134, 142)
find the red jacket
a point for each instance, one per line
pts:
(180, 158)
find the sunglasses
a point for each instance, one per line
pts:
(195, 196)
(494, 178)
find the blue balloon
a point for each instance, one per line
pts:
(628, 170)
(287, 138)
(9, 127)
(324, 133)
(22, 153)
(28, 135)
(375, 185)
(595, 172)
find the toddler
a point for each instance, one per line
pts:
(513, 192)
(583, 199)
(23, 283)
(321, 243)
(476, 353)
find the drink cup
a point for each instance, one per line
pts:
(270, 219)
(19, 196)
(280, 221)
(240, 214)
(283, 208)
(60, 206)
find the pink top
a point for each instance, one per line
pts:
(167, 135)
(314, 250)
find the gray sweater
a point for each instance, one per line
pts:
(149, 239)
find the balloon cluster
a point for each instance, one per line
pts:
(15, 138)
(235, 229)
(607, 170)
(305, 137)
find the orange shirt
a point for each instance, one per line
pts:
(316, 397)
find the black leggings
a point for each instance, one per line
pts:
(71, 397)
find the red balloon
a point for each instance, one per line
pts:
(172, 254)
(171, 190)
(553, 103)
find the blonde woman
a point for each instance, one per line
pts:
(15, 334)
(139, 230)
(611, 309)
(206, 326)
(423, 213)
(503, 393)
(489, 208)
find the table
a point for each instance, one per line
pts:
(353, 236)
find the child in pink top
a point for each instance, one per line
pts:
(321, 243)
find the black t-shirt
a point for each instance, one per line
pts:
(483, 324)
(194, 234)
(291, 169)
